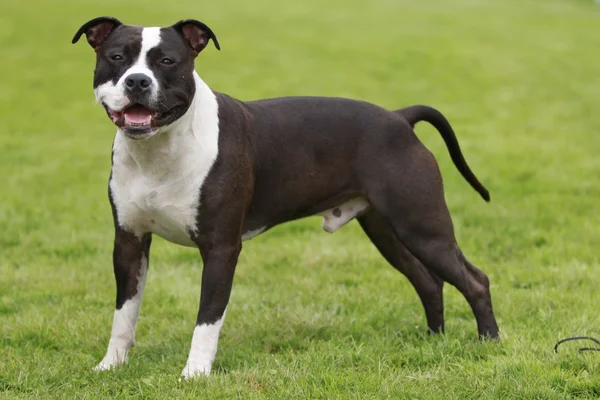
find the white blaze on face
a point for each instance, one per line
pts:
(122, 337)
(113, 95)
(203, 349)
(150, 40)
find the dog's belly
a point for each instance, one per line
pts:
(154, 212)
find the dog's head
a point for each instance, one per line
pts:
(144, 77)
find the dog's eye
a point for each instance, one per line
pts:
(116, 57)
(166, 61)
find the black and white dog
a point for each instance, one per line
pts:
(202, 169)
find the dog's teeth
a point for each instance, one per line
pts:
(137, 124)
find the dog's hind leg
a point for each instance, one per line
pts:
(429, 287)
(406, 188)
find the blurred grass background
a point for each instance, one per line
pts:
(314, 315)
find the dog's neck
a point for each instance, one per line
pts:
(179, 146)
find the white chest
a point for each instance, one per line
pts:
(156, 182)
(168, 209)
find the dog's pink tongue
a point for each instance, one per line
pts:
(138, 115)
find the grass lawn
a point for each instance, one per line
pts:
(314, 315)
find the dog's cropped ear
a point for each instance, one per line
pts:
(97, 30)
(197, 34)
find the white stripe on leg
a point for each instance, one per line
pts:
(203, 349)
(122, 336)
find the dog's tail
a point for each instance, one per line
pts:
(414, 114)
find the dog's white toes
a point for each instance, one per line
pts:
(196, 369)
(110, 362)
(103, 367)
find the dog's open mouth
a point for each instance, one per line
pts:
(134, 119)
(137, 116)
(138, 120)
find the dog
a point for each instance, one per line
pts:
(202, 169)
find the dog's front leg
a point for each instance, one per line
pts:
(220, 260)
(130, 259)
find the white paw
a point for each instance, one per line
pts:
(103, 367)
(196, 369)
(111, 361)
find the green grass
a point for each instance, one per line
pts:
(315, 315)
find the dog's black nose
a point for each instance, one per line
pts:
(138, 83)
